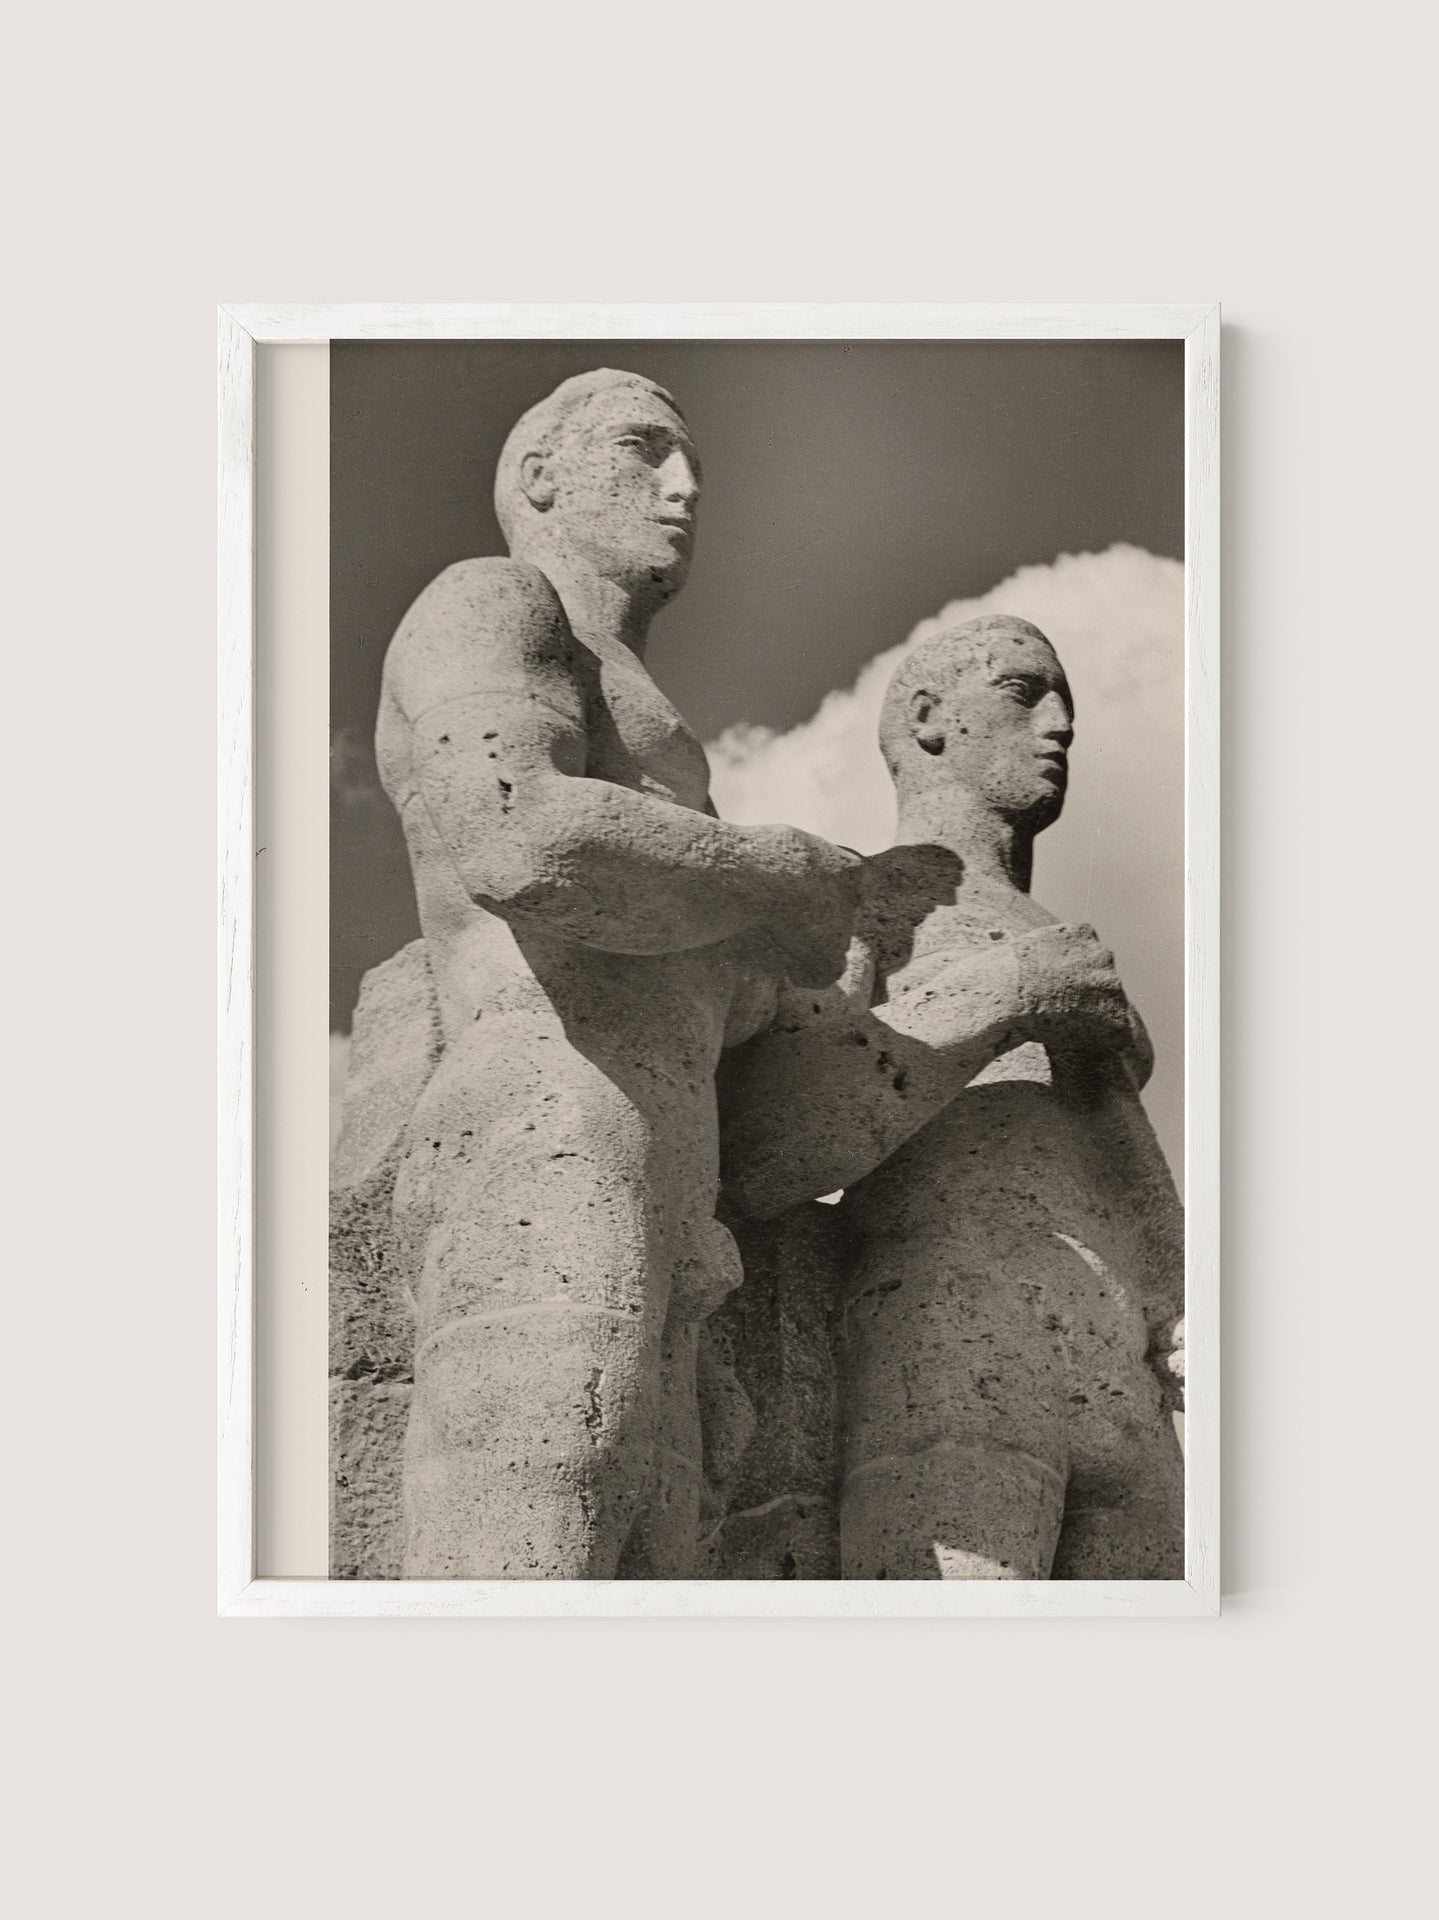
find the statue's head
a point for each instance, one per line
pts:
(984, 706)
(603, 469)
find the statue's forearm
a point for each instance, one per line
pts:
(815, 1108)
(615, 869)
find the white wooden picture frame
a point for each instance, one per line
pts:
(243, 329)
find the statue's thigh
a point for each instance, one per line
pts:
(953, 1394)
(665, 1540)
(530, 1181)
(958, 1511)
(1124, 1508)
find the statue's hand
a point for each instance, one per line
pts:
(1070, 991)
(816, 889)
(955, 998)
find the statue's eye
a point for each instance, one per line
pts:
(1022, 687)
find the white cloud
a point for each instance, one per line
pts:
(1116, 856)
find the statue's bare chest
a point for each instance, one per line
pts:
(974, 920)
(637, 739)
(922, 931)
(914, 928)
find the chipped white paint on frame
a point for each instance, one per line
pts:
(241, 329)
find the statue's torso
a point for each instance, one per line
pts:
(1039, 1143)
(683, 1006)
(1006, 1269)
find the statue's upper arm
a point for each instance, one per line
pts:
(487, 634)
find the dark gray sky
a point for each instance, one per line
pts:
(850, 490)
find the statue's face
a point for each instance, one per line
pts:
(626, 482)
(1005, 717)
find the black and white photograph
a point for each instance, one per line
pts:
(757, 958)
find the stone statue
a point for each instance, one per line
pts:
(594, 936)
(1013, 1241)
(770, 1476)
(395, 1047)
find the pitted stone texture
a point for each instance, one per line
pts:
(1016, 1245)
(367, 1447)
(774, 1337)
(397, 1043)
(394, 1047)
(596, 936)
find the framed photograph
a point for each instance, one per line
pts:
(762, 1153)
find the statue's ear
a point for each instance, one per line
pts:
(926, 719)
(537, 482)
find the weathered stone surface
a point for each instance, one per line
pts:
(1015, 1245)
(394, 1045)
(595, 937)
(367, 1446)
(774, 1337)
(765, 1365)
(393, 1051)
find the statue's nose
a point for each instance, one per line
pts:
(1055, 720)
(679, 480)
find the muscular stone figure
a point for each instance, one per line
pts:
(1014, 1243)
(595, 935)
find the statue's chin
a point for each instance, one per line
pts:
(667, 576)
(659, 571)
(1047, 812)
(1041, 813)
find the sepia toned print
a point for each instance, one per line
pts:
(568, 1340)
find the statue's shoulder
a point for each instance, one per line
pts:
(487, 587)
(481, 623)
